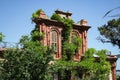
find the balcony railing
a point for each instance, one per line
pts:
(10, 45)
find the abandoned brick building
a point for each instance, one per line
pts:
(53, 31)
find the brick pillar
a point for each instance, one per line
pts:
(83, 22)
(113, 69)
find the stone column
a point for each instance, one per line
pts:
(113, 69)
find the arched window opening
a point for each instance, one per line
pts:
(73, 36)
(75, 39)
(54, 40)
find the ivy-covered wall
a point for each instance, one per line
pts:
(66, 67)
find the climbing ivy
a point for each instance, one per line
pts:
(68, 47)
(94, 68)
(36, 14)
(36, 35)
(67, 29)
(66, 66)
(88, 69)
(56, 17)
(67, 26)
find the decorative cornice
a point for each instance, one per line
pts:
(56, 23)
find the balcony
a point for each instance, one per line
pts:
(4, 45)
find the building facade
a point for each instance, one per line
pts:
(53, 36)
(53, 33)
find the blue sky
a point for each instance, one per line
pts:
(15, 17)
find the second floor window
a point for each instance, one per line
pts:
(73, 36)
(54, 40)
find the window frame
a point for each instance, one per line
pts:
(54, 41)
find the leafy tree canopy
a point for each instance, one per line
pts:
(111, 31)
(89, 68)
(31, 62)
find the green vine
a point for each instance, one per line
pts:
(66, 65)
(88, 68)
(95, 68)
(36, 14)
(68, 47)
(56, 17)
(67, 30)
(36, 35)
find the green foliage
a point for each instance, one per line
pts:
(24, 39)
(90, 68)
(14, 65)
(96, 68)
(67, 30)
(66, 66)
(77, 42)
(104, 67)
(1, 36)
(36, 35)
(68, 48)
(30, 63)
(56, 17)
(36, 14)
(111, 31)
(68, 51)
(67, 23)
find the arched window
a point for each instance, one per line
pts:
(54, 40)
(73, 35)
